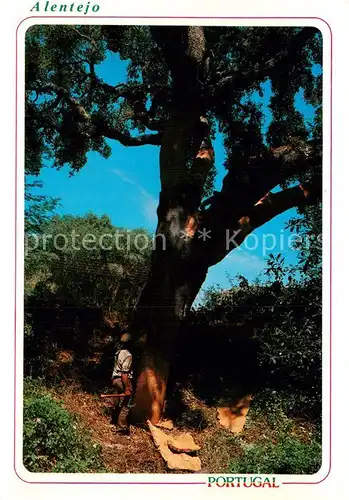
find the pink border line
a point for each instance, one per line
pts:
(16, 215)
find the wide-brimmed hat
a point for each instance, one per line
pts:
(125, 337)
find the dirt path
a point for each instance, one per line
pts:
(133, 454)
(137, 453)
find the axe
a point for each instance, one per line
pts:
(103, 396)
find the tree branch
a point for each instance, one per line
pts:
(101, 127)
(128, 140)
(93, 42)
(49, 88)
(268, 207)
(241, 190)
(135, 96)
(241, 80)
(204, 157)
(183, 48)
(273, 204)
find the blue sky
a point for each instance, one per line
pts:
(126, 187)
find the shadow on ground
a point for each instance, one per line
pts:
(214, 362)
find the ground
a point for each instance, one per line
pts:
(137, 453)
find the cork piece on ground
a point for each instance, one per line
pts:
(182, 443)
(165, 424)
(174, 461)
(233, 417)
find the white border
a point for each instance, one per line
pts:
(123, 478)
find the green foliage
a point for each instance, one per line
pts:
(284, 316)
(86, 261)
(58, 55)
(285, 321)
(288, 456)
(286, 446)
(308, 227)
(70, 57)
(52, 438)
(38, 208)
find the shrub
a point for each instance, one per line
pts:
(52, 438)
(281, 406)
(284, 321)
(280, 451)
(287, 456)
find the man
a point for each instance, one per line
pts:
(122, 381)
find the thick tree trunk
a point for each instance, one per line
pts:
(173, 283)
(177, 271)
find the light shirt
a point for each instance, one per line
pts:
(123, 363)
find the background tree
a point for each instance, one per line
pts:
(38, 210)
(86, 261)
(183, 84)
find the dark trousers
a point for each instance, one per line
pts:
(120, 411)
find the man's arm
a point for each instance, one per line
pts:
(126, 383)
